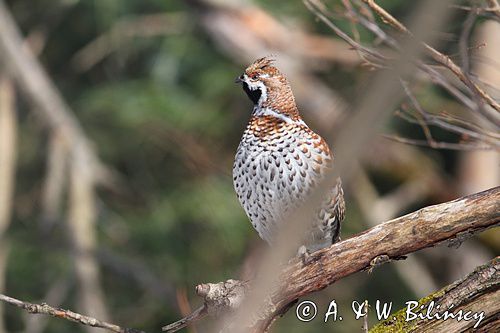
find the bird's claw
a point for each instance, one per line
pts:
(304, 255)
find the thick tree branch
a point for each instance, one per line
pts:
(478, 292)
(66, 314)
(381, 96)
(451, 223)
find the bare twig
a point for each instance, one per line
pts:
(123, 31)
(347, 4)
(440, 80)
(476, 170)
(494, 7)
(56, 294)
(421, 113)
(198, 314)
(438, 145)
(66, 314)
(477, 104)
(185, 306)
(386, 17)
(463, 42)
(320, 11)
(439, 58)
(449, 123)
(432, 73)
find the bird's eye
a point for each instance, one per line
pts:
(254, 76)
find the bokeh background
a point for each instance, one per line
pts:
(151, 85)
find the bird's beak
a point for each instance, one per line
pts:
(239, 79)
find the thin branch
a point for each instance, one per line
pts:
(494, 7)
(422, 114)
(66, 314)
(486, 141)
(198, 314)
(477, 10)
(352, 20)
(425, 118)
(438, 57)
(440, 80)
(433, 74)
(463, 42)
(386, 17)
(56, 295)
(319, 10)
(185, 306)
(451, 119)
(436, 144)
(123, 31)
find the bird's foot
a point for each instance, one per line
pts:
(304, 255)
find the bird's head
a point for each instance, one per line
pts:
(265, 85)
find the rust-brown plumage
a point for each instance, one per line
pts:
(280, 160)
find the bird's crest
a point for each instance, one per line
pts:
(264, 64)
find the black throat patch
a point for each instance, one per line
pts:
(254, 95)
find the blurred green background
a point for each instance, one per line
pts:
(162, 111)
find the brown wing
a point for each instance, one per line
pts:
(332, 211)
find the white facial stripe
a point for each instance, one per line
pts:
(254, 85)
(261, 112)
